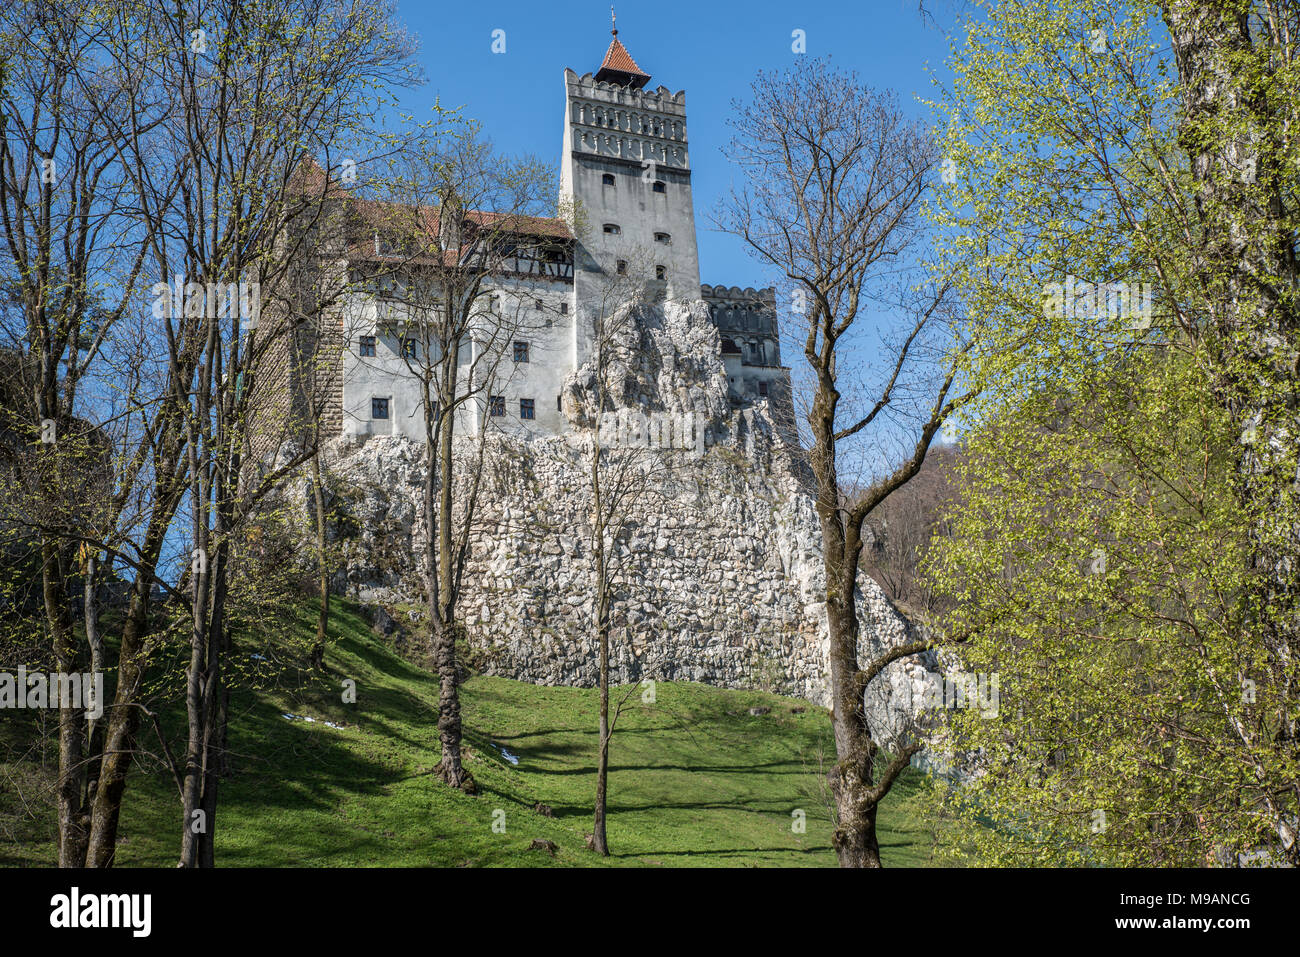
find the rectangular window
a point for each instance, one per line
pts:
(367, 345)
(379, 408)
(762, 388)
(559, 403)
(408, 348)
(564, 308)
(496, 406)
(521, 352)
(526, 409)
(659, 186)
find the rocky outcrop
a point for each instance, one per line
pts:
(719, 577)
(718, 554)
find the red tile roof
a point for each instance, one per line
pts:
(619, 61)
(617, 58)
(422, 222)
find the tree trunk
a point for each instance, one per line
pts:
(322, 566)
(1233, 135)
(72, 738)
(196, 690)
(852, 778)
(94, 727)
(122, 724)
(600, 842)
(442, 607)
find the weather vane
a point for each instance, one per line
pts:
(613, 20)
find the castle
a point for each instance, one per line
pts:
(721, 579)
(625, 163)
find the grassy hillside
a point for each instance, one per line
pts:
(696, 779)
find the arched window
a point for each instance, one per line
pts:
(663, 238)
(612, 229)
(607, 179)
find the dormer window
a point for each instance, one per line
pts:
(612, 229)
(607, 179)
(663, 238)
(660, 186)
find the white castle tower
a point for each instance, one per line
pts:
(626, 165)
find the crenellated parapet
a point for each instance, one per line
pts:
(746, 311)
(735, 294)
(614, 121)
(660, 99)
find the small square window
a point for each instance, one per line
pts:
(607, 179)
(521, 352)
(538, 304)
(659, 186)
(367, 345)
(496, 406)
(526, 409)
(408, 349)
(379, 408)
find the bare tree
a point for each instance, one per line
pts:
(627, 471)
(834, 178)
(74, 273)
(209, 121)
(444, 265)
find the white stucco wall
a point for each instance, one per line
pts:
(547, 330)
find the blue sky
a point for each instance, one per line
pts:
(711, 50)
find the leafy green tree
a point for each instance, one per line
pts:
(1123, 550)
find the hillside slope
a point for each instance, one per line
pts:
(696, 779)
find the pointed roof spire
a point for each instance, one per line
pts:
(618, 66)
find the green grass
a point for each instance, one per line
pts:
(695, 779)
